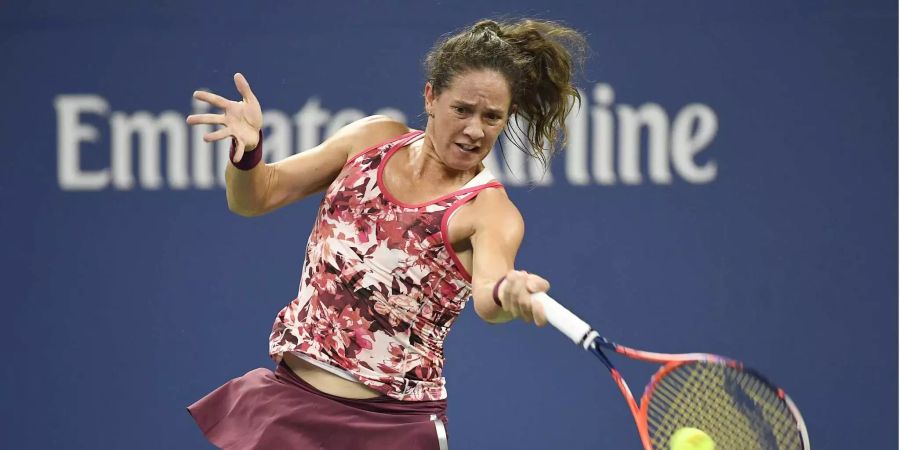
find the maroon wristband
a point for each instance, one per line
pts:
(497, 291)
(251, 158)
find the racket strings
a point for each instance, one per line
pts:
(737, 409)
(673, 410)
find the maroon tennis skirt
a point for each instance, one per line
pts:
(278, 410)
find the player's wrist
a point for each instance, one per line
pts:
(251, 157)
(495, 294)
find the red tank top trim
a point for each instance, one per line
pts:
(378, 146)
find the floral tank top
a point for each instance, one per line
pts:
(381, 285)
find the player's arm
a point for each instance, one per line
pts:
(267, 187)
(498, 233)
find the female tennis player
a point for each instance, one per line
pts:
(410, 227)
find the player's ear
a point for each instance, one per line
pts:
(429, 96)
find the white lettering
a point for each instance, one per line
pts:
(69, 135)
(513, 171)
(604, 144)
(342, 118)
(223, 152)
(693, 130)
(519, 168)
(631, 121)
(149, 130)
(201, 151)
(309, 119)
(576, 152)
(602, 120)
(277, 132)
(685, 145)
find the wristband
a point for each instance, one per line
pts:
(497, 291)
(251, 158)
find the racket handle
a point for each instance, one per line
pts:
(562, 319)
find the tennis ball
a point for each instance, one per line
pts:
(688, 438)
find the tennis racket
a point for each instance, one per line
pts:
(736, 406)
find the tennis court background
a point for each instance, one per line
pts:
(758, 219)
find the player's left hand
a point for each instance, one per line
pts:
(240, 121)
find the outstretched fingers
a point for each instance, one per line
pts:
(210, 119)
(213, 99)
(241, 120)
(243, 88)
(217, 135)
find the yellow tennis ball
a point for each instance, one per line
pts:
(688, 438)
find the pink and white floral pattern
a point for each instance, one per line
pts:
(379, 289)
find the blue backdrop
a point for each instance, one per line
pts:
(731, 186)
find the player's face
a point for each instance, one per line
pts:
(467, 117)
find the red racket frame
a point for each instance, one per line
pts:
(593, 343)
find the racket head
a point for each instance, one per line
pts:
(735, 405)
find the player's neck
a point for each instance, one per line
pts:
(425, 166)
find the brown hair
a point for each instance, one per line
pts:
(537, 58)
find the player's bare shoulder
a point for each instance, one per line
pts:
(370, 131)
(493, 211)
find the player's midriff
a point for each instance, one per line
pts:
(327, 382)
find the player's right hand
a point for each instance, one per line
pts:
(515, 296)
(241, 120)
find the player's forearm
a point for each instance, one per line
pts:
(247, 190)
(485, 307)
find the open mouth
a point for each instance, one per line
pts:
(467, 148)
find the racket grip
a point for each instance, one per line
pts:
(562, 319)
